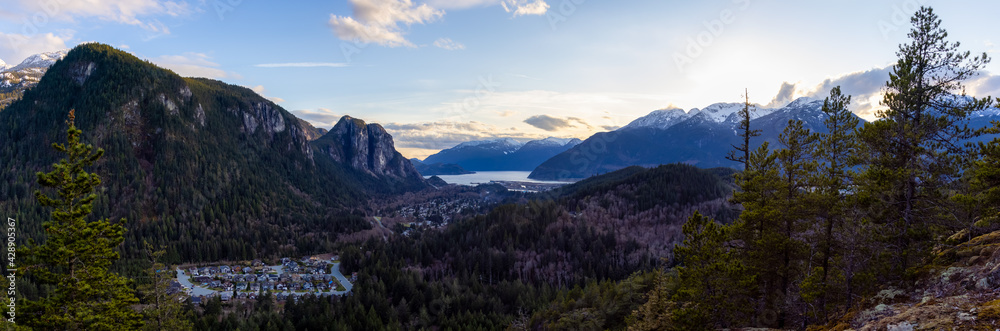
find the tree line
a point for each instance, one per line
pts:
(830, 218)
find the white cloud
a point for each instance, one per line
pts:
(446, 134)
(302, 65)
(525, 7)
(449, 44)
(131, 12)
(378, 21)
(461, 4)
(192, 65)
(259, 89)
(320, 117)
(866, 89)
(14, 48)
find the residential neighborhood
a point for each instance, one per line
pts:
(318, 274)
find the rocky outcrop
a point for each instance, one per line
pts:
(958, 290)
(367, 148)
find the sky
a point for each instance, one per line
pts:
(436, 73)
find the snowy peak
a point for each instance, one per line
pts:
(719, 112)
(553, 141)
(40, 60)
(803, 102)
(3, 65)
(504, 143)
(660, 119)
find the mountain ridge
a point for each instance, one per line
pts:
(701, 137)
(504, 154)
(208, 169)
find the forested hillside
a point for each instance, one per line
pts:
(484, 271)
(210, 170)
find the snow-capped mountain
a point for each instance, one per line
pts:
(505, 144)
(40, 60)
(716, 113)
(15, 79)
(701, 137)
(502, 154)
(663, 119)
(553, 141)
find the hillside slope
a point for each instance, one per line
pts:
(211, 170)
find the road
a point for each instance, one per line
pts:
(196, 290)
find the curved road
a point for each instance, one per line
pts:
(185, 280)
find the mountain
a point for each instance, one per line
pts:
(368, 148)
(700, 137)
(311, 132)
(502, 154)
(210, 170)
(15, 79)
(439, 169)
(40, 60)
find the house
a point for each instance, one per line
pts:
(262, 278)
(175, 287)
(272, 277)
(247, 270)
(213, 270)
(226, 296)
(193, 271)
(241, 286)
(280, 297)
(196, 300)
(225, 269)
(258, 263)
(307, 286)
(281, 287)
(216, 283)
(203, 279)
(285, 260)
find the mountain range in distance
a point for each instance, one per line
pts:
(699, 137)
(15, 79)
(504, 154)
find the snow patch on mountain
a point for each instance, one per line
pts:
(40, 60)
(553, 141)
(660, 119)
(505, 143)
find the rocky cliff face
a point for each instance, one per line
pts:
(367, 148)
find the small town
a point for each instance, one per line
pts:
(317, 275)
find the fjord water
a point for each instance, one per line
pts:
(482, 177)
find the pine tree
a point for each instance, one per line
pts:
(795, 161)
(76, 254)
(164, 310)
(657, 312)
(834, 152)
(741, 153)
(714, 286)
(911, 153)
(981, 190)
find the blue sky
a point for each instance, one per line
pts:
(439, 72)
